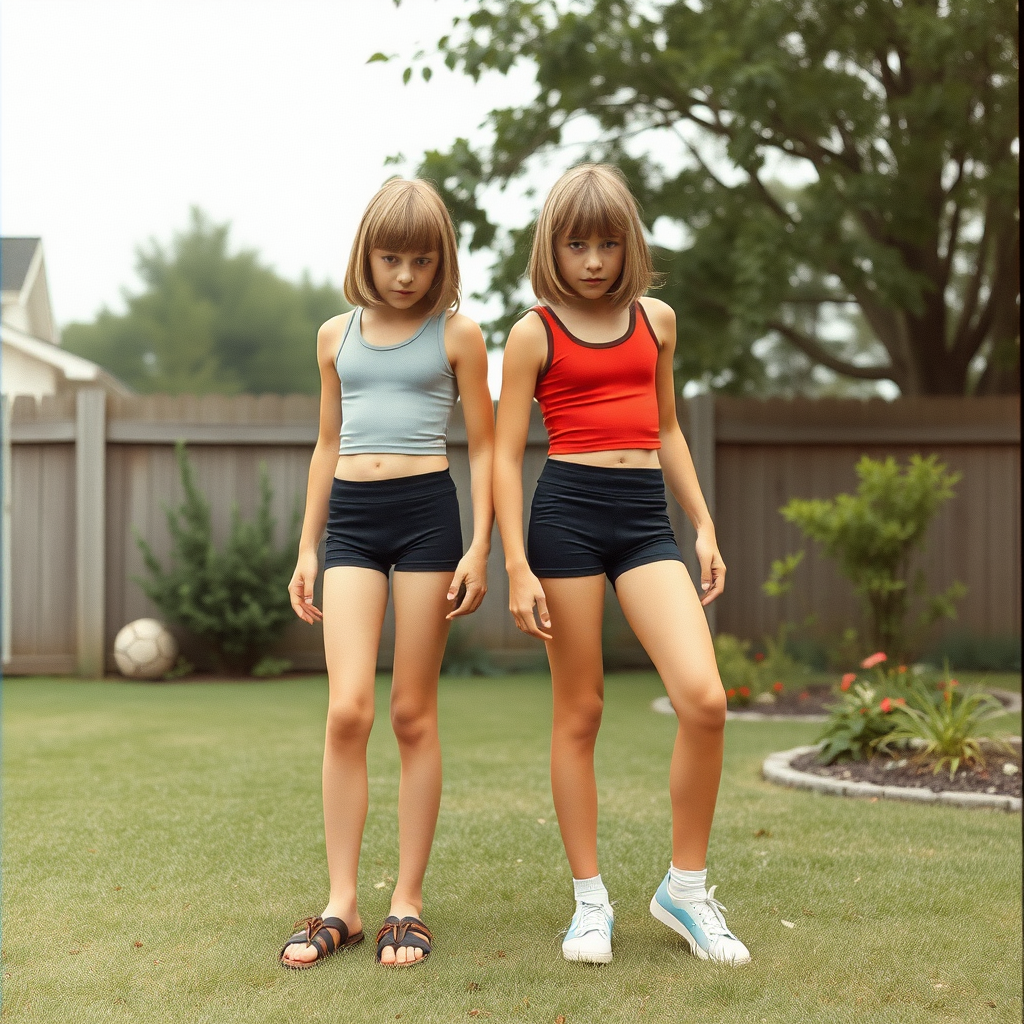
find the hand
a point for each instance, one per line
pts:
(712, 568)
(470, 573)
(300, 589)
(524, 594)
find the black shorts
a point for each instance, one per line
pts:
(410, 522)
(589, 520)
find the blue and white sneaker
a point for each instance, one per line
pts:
(589, 937)
(701, 923)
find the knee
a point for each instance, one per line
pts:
(705, 709)
(580, 722)
(349, 723)
(412, 722)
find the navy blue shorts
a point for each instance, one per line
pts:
(410, 522)
(589, 520)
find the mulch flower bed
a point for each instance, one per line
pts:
(884, 770)
(810, 700)
(816, 699)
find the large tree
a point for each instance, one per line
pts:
(210, 320)
(827, 161)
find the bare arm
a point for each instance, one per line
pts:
(676, 462)
(525, 353)
(468, 355)
(321, 471)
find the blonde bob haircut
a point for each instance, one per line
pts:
(590, 199)
(405, 216)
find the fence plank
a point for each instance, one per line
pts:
(813, 448)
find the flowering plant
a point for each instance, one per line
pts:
(857, 724)
(947, 728)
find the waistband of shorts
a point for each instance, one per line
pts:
(399, 488)
(603, 479)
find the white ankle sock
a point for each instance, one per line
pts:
(687, 885)
(590, 890)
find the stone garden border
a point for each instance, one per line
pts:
(777, 769)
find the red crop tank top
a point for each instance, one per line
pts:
(599, 397)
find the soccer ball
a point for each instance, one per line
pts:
(145, 649)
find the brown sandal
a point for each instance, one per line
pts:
(315, 931)
(407, 933)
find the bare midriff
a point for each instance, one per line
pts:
(619, 458)
(387, 466)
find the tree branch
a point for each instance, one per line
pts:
(816, 351)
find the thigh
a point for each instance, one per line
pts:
(576, 606)
(662, 607)
(421, 630)
(355, 599)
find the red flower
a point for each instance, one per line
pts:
(902, 668)
(805, 695)
(886, 705)
(744, 691)
(777, 687)
(900, 701)
(759, 656)
(847, 681)
(730, 694)
(874, 659)
(953, 683)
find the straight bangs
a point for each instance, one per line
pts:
(405, 217)
(590, 199)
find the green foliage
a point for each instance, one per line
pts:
(857, 724)
(900, 120)
(969, 651)
(234, 600)
(747, 677)
(267, 667)
(210, 321)
(873, 535)
(780, 579)
(945, 731)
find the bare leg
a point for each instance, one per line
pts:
(354, 602)
(577, 681)
(661, 605)
(421, 631)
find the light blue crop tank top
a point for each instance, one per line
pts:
(395, 398)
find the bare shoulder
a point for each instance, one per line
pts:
(462, 331)
(662, 317)
(528, 334)
(328, 338)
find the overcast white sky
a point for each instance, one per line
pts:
(118, 115)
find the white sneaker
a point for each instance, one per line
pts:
(701, 923)
(589, 937)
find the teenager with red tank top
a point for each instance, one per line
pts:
(598, 358)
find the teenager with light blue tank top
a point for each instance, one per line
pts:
(390, 372)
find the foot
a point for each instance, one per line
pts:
(399, 953)
(589, 937)
(701, 923)
(302, 954)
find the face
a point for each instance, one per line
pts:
(402, 279)
(590, 266)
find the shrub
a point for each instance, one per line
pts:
(738, 673)
(864, 715)
(970, 652)
(873, 535)
(948, 730)
(234, 600)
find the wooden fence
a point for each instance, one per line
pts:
(84, 475)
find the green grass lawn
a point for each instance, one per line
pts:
(159, 840)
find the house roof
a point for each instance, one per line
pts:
(74, 368)
(15, 259)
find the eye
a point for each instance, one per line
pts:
(389, 259)
(424, 261)
(611, 243)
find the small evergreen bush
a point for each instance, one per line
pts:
(234, 600)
